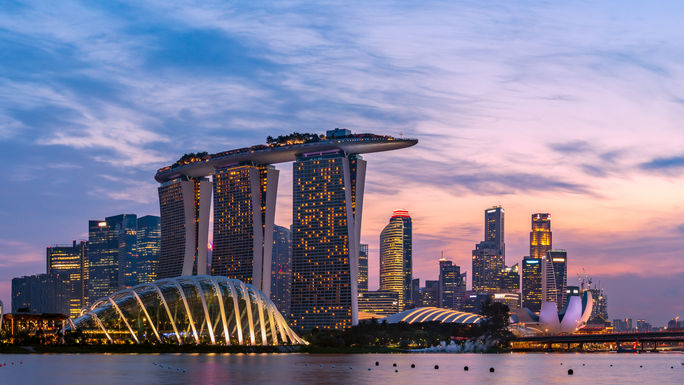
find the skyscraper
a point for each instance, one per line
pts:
(244, 211)
(363, 267)
(429, 295)
(184, 205)
(489, 255)
(415, 292)
(327, 206)
(555, 277)
(510, 279)
(540, 236)
(396, 270)
(532, 283)
(281, 269)
(148, 246)
(69, 265)
(451, 285)
(36, 294)
(111, 250)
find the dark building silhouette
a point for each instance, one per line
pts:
(281, 269)
(531, 283)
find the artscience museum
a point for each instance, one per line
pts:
(197, 309)
(574, 316)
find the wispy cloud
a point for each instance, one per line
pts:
(665, 164)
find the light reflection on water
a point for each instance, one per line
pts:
(281, 369)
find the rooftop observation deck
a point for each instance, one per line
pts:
(286, 151)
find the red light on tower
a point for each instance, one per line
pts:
(401, 214)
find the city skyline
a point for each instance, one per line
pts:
(606, 161)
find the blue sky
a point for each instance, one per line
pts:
(572, 109)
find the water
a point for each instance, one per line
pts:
(281, 369)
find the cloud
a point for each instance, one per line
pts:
(666, 164)
(573, 147)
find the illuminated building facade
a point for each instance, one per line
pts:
(244, 211)
(281, 269)
(531, 283)
(396, 270)
(378, 303)
(555, 277)
(148, 247)
(184, 205)
(186, 310)
(540, 236)
(328, 195)
(327, 206)
(452, 285)
(363, 267)
(512, 300)
(68, 264)
(489, 255)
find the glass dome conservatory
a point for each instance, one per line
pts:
(197, 309)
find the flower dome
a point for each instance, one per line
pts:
(197, 309)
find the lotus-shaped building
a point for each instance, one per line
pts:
(575, 315)
(197, 309)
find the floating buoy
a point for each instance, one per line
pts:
(413, 365)
(321, 365)
(368, 369)
(350, 367)
(611, 365)
(333, 365)
(641, 366)
(584, 364)
(570, 372)
(465, 368)
(394, 364)
(377, 363)
(436, 366)
(491, 370)
(395, 370)
(561, 363)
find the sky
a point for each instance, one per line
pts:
(572, 109)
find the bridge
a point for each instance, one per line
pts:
(641, 340)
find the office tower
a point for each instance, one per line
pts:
(415, 292)
(363, 267)
(555, 277)
(111, 250)
(474, 302)
(395, 257)
(531, 283)
(327, 207)
(510, 279)
(378, 304)
(451, 285)
(184, 205)
(281, 269)
(39, 293)
(540, 236)
(69, 264)
(429, 295)
(244, 210)
(489, 255)
(148, 246)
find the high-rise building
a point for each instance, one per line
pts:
(531, 283)
(415, 293)
(540, 236)
(395, 257)
(363, 267)
(112, 253)
(244, 211)
(327, 206)
(281, 269)
(68, 264)
(378, 303)
(510, 279)
(429, 295)
(39, 293)
(489, 255)
(184, 205)
(452, 285)
(540, 244)
(555, 277)
(148, 246)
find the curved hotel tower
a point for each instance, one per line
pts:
(328, 181)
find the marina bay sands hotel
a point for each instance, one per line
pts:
(328, 183)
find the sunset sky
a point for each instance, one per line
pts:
(576, 110)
